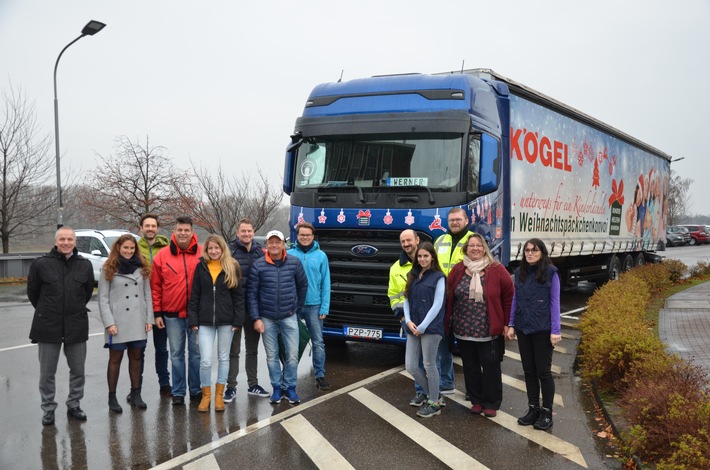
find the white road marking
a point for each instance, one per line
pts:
(317, 447)
(546, 440)
(209, 447)
(208, 462)
(439, 447)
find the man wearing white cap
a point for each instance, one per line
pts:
(276, 291)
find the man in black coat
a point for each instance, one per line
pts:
(59, 286)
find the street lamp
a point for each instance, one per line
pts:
(91, 28)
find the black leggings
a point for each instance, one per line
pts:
(536, 356)
(135, 356)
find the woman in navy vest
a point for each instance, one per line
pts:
(477, 312)
(424, 318)
(535, 318)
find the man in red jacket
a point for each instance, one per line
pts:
(171, 283)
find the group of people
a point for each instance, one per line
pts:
(188, 296)
(455, 290)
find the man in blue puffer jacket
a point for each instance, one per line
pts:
(276, 291)
(314, 311)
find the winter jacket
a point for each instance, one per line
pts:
(498, 294)
(59, 289)
(149, 251)
(125, 301)
(450, 255)
(536, 306)
(419, 307)
(276, 288)
(171, 278)
(212, 303)
(245, 257)
(315, 263)
(397, 283)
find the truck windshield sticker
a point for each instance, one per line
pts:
(407, 181)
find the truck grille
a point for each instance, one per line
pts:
(359, 283)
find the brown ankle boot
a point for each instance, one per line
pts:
(204, 405)
(219, 397)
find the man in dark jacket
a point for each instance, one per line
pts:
(245, 250)
(59, 286)
(277, 289)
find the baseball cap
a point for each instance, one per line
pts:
(275, 233)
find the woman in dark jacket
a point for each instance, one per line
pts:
(216, 308)
(480, 293)
(535, 317)
(424, 321)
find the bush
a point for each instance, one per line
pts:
(677, 270)
(700, 270)
(656, 276)
(667, 402)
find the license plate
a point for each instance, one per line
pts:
(357, 332)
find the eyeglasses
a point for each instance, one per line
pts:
(531, 250)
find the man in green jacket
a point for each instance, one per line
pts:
(150, 244)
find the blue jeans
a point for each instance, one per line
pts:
(178, 335)
(288, 327)
(445, 364)
(206, 335)
(160, 341)
(420, 362)
(311, 314)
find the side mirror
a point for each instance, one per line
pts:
(290, 161)
(97, 253)
(490, 164)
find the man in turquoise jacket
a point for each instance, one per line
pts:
(317, 305)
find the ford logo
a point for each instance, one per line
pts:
(364, 250)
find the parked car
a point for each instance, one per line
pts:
(698, 235)
(95, 246)
(677, 236)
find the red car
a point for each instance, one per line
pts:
(698, 235)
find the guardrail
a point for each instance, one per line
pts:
(17, 265)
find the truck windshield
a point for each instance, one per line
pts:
(366, 161)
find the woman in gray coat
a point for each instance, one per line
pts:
(127, 314)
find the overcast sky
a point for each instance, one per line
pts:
(223, 81)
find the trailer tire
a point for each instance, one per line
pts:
(640, 260)
(628, 263)
(614, 269)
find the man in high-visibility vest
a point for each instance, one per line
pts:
(449, 251)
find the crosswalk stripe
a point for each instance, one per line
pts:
(436, 445)
(546, 440)
(507, 380)
(207, 462)
(318, 449)
(212, 446)
(515, 356)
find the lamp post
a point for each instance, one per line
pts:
(91, 28)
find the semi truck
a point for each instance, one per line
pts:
(371, 157)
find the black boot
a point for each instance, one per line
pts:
(544, 421)
(136, 399)
(113, 403)
(531, 417)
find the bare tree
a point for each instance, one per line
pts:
(135, 180)
(679, 200)
(220, 201)
(25, 170)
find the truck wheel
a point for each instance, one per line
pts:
(614, 268)
(640, 260)
(628, 263)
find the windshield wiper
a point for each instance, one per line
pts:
(359, 191)
(431, 196)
